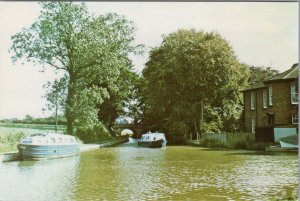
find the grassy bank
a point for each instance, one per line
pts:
(242, 143)
(9, 140)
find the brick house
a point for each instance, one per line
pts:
(272, 103)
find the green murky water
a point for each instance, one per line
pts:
(135, 173)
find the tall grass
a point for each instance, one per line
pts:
(234, 143)
(9, 140)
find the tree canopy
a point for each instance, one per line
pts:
(260, 73)
(193, 82)
(92, 51)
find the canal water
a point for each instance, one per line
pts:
(129, 172)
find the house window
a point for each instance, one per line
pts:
(265, 99)
(270, 96)
(253, 125)
(294, 94)
(270, 118)
(252, 101)
(295, 119)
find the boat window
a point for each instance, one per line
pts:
(52, 140)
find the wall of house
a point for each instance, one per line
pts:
(282, 107)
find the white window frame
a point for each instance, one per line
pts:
(294, 94)
(265, 105)
(253, 125)
(270, 96)
(252, 101)
(295, 119)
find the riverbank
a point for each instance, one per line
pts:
(247, 144)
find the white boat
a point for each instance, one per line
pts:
(153, 140)
(51, 145)
(289, 142)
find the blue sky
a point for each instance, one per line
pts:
(261, 34)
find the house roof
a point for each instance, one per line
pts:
(289, 74)
(256, 85)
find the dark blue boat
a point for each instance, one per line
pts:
(153, 140)
(43, 146)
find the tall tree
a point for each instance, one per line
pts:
(191, 77)
(90, 50)
(261, 73)
(119, 98)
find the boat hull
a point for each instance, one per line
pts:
(289, 141)
(151, 144)
(47, 151)
(288, 145)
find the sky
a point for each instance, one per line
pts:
(260, 33)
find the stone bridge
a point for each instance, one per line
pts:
(136, 129)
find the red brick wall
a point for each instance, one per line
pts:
(282, 107)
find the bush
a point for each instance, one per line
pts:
(11, 138)
(239, 144)
(246, 143)
(206, 142)
(96, 134)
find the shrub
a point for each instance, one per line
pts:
(11, 138)
(239, 144)
(206, 142)
(96, 134)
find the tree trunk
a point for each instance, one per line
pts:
(69, 115)
(56, 117)
(199, 122)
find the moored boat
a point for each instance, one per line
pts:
(289, 142)
(51, 145)
(153, 140)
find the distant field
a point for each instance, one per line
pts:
(31, 128)
(12, 133)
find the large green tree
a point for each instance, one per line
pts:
(260, 73)
(89, 50)
(193, 83)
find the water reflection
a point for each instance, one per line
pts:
(136, 173)
(38, 180)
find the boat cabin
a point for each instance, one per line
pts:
(49, 139)
(153, 137)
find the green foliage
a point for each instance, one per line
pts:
(120, 97)
(91, 51)
(191, 73)
(205, 142)
(56, 94)
(61, 120)
(245, 143)
(10, 140)
(261, 73)
(95, 134)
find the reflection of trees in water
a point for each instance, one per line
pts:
(118, 173)
(51, 179)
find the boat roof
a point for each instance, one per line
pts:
(50, 135)
(154, 134)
